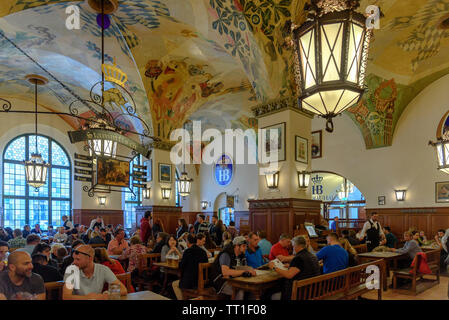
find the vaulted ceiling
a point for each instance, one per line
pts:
(212, 60)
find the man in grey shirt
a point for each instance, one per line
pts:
(32, 241)
(411, 248)
(92, 277)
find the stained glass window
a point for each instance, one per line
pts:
(132, 200)
(22, 204)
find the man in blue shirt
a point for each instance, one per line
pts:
(391, 238)
(264, 244)
(253, 254)
(334, 256)
(333, 226)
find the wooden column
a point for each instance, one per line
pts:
(277, 216)
(169, 216)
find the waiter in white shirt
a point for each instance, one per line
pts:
(373, 231)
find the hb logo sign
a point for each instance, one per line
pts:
(317, 189)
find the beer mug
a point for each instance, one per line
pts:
(114, 292)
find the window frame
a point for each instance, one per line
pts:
(27, 197)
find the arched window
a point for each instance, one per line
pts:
(22, 204)
(132, 201)
(177, 195)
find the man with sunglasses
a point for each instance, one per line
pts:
(92, 278)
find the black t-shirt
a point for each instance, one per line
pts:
(32, 285)
(47, 272)
(191, 258)
(308, 266)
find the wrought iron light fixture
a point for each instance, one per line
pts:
(303, 179)
(204, 204)
(400, 195)
(166, 192)
(272, 180)
(36, 168)
(331, 50)
(442, 147)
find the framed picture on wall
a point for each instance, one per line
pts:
(317, 144)
(381, 200)
(301, 149)
(269, 142)
(442, 191)
(164, 172)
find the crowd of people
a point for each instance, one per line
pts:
(100, 252)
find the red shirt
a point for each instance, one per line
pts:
(277, 250)
(145, 230)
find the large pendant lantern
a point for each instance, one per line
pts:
(184, 184)
(332, 50)
(36, 168)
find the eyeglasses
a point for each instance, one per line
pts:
(80, 252)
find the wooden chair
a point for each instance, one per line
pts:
(201, 291)
(125, 278)
(413, 274)
(144, 267)
(51, 288)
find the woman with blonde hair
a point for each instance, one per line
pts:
(227, 239)
(352, 253)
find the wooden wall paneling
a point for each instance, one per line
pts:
(85, 216)
(280, 224)
(260, 220)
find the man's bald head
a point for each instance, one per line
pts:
(86, 249)
(16, 257)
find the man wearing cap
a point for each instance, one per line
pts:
(226, 266)
(92, 278)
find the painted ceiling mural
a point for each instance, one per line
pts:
(213, 60)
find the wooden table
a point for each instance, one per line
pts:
(256, 285)
(143, 295)
(387, 256)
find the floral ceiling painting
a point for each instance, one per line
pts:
(213, 60)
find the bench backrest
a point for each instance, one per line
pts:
(203, 274)
(326, 285)
(433, 257)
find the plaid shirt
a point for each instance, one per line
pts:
(18, 242)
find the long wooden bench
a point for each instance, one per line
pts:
(413, 274)
(345, 284)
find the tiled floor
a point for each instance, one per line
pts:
(438, 292)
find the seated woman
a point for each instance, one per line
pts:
(410, 249)
(171, 249)
(102, 257)
(227, 239)
(45, 249)
(352, 253)
(161, 240)
(210, 244)
(96, 238)
(422, 239)
(132, 253)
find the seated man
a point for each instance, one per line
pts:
(41, 267)
(226, 265)
(32, 241)
(18, 241)
(334, 256)
(68, 260)
(280, 249)
(390, 237)
(304, 265)
(92, 278)
(264, 244)
(254, 254)
(410, 248)
(118, 244)
(190, 261)
(19, 282)
(200, 242)
(347, 235)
